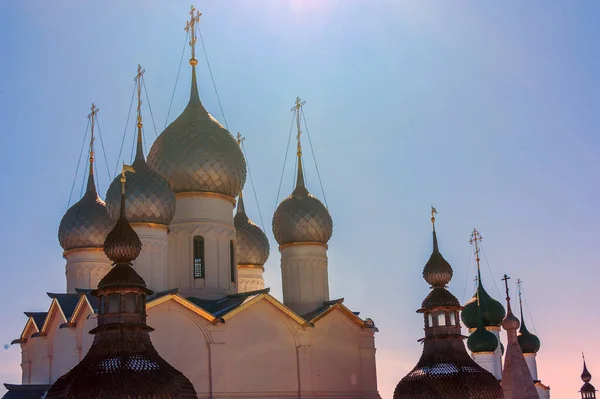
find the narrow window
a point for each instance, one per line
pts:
(130, 299)
(232, 260)
(198, 257)
(429, 320)
(452, 319)
(441, 319)
(114, 303)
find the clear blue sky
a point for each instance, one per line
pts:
(488, 111)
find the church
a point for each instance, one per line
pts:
(172, 251)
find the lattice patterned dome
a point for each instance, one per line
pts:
(195, 153)
(252, 245)
(149, 196)
(301, 217)
(85, 224)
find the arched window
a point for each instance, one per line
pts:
(199, 257)
(441, 319)
(452, 319)
(429, 320)
(232, 260)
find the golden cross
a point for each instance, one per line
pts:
(92, 115)
(476, 237)
(191, 25)
(239, 139)
(126, 168)
(433, 212)
(299, 103)
(138, 79)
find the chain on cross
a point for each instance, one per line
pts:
(191, 26)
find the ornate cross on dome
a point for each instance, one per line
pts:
(138, 80)
(476, 237)
(505, 279)
(92, 116)
(239, 139)
(126, 168)
(191, 26)
(296, 108)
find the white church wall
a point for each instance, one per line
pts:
(250, 278)
(336, 355)
(86, 322)
(151, 264)
(40, 362)
(181, 337)
(211, 217)
(261, 351)
(85, 268)
(62, 345)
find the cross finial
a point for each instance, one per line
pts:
(296, 108)
(505, 279)
(475, 238)
(126, 168)
(433, 212)
(191, 26)
(92, 116)
(138, 80)
(239, 139)
(519, 282)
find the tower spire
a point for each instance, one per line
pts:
(297, 108)
(91, 186)
(435, 242)
(190, 27)
(139, 154)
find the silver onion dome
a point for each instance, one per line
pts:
(195, 153)
(301, 217)
(86, 224)
(252, 245)
(149, 197)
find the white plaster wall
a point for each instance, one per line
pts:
(304, 277)
(151, 264)
(486, 360)
(26, 352)
(40, 362)
(212, 218)
(63, 349)
(497, 354)
(85, 269)
(530, 359)
(85, 324)
(336, 356)
(181, 338)
(260, 352)
(250, 279)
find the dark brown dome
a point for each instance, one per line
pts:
(122, 245)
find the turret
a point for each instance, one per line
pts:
(82, 231)
(302, 226)
(206, 169)
(149, 206)
(587, 390)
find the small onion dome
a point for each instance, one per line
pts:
(195, 153)
(86, 223)
(482, 340)
(122, 245)
(585, 375)
(149, 196)
(492, 311)
(510, 322)
(528, 342)
(252, 245)
(437, 271)
(301, 217)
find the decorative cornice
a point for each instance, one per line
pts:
(272, 301)
(186, 304)
(192, 194)
(86, 249)
(250, 266)
(150, 225)
(303, 244)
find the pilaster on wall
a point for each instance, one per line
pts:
(305, 276)
(85, 268)
(210, 216)
(151, 264)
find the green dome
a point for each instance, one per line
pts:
(482, 340)
(528, 342)
(492, 311)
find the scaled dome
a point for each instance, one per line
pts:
(301, 217)
(195, 153)
(528, 342)
(149, 197)
(252, 245)
(85, 224)
(492, 311)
